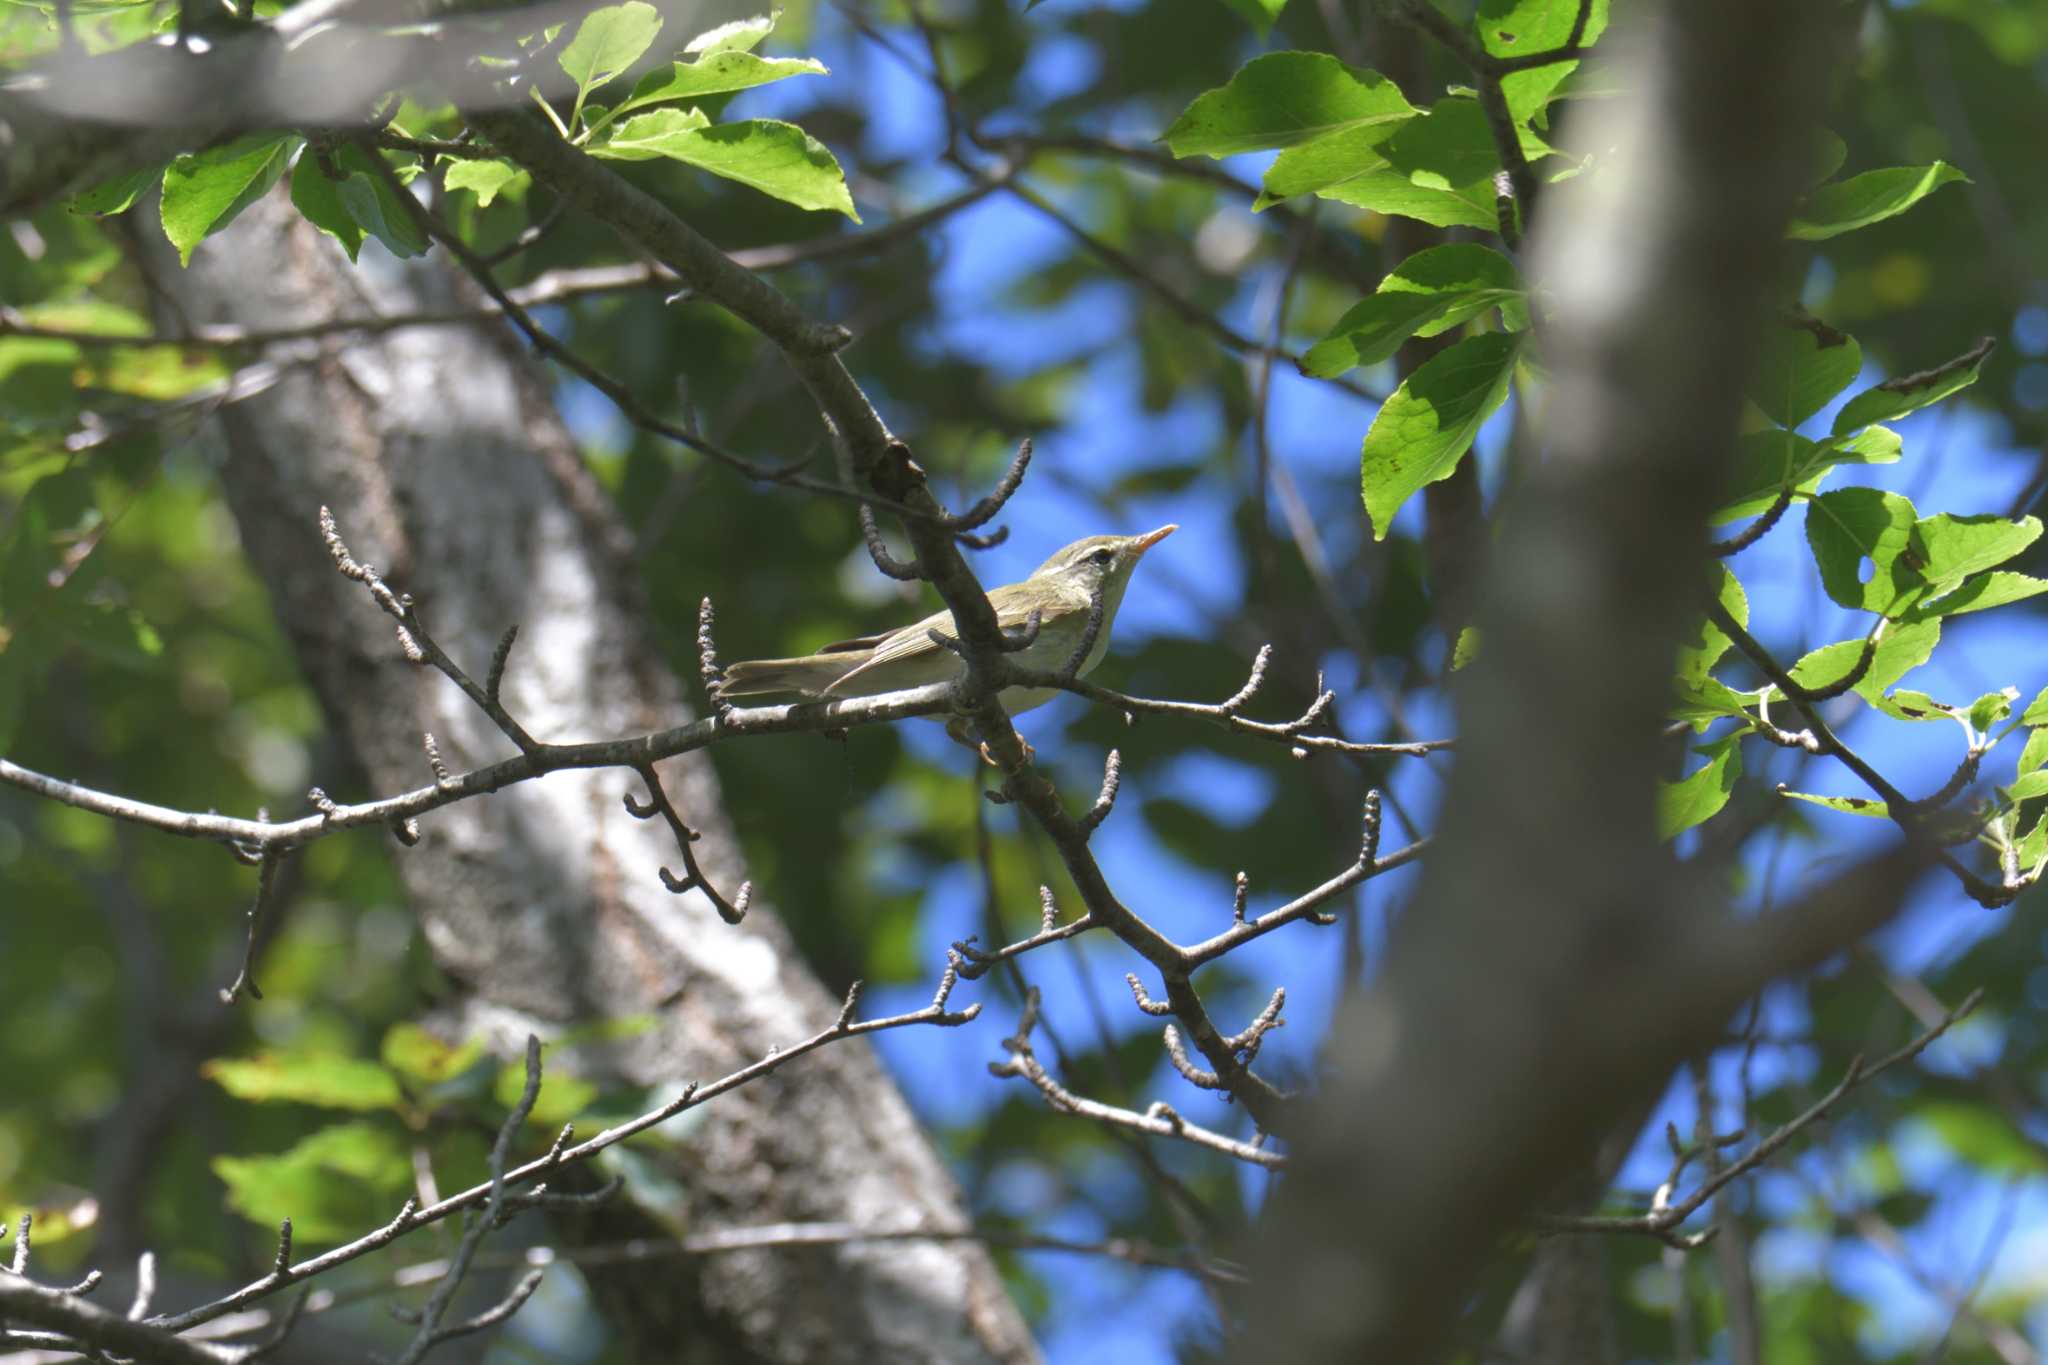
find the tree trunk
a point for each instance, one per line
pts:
(448, 469)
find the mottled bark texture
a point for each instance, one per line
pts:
(1557, 962)
(450, 472)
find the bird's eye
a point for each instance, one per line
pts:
(1102, 556)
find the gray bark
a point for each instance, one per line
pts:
(449, 471)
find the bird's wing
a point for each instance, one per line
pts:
(912, 642)
(858, 642)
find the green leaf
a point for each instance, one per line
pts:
(1448, 146)
(1389, 191)
(204, 192)
(779, 159)
(1467, 648)
(741, 35)
(1847, 805)
(1421, 432)
(1981, 1136)
(2037, 710)
(1909, 393)
(484, 179)
(1700, 702)
(2036, 751)
(607, 42)
(330, 1081)
(1260, 14)
(1991, 708)
(1428, 293)
(1699, 796)
(1437, 166)
(116, 195)
(2027, 787)
(1321, 166)
(1769, 460)
(1827, 155)
(1700, 651)
(1909, 705)
(718, 74)
(1903, 648)
(318, 200)
(1950, 548)
(1871, 197)
(1511, 28)
(562, 1097)
(1846, 527)
(1284, 99)
(374, 204)
(1801, 368)
(113, 634)
(418, 1055)
(322, 1184)
(1989, 590)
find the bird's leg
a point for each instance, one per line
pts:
(957, 731)
(990, 759)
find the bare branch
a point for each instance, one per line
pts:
(413, 1215)
(1662, 1220)
(1160, 1120)
(1112, 778)
(431, 1333)
(693, 878)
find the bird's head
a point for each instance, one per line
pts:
(1102, 560)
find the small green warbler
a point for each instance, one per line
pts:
(1061, 591)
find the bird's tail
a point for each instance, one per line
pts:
(811, 674)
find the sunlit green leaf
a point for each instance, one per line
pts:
(1801, 368)
(1700, 651)
(1909, 393)
(116, 195)
(718, 74)
(1871, 197)
(204, 192)
(485, 179)
(330, 1185)
(607, 42)
(1702, 701)
(419, 1056)
(1699, 795)
(1847, 805)
(1852, 526)
(1425, 428)
(741, 35)
(1772, 459)
(1515, 28)
(1284, 99)
(779, 159)
(1903, 648)
(1950, 548)
(562, 1098)
(1428, 293)
(330, 1081)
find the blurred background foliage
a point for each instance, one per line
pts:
(138, 655)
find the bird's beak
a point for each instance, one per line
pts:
(1151, 538)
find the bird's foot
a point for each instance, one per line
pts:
(990, 759)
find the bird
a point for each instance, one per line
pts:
(1062, 591)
